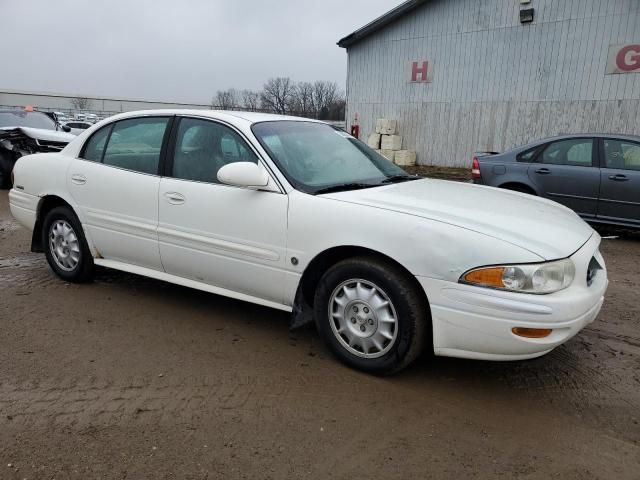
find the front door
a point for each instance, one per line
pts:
(225, 236)
(620, 182)
(115, 184)
(566, 172)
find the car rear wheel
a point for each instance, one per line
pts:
(371, 315)
(65, 246)
(517, 187)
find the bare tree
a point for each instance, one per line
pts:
(81, 103)
(276, 94)
(302, 100)
(225, 99)
(337, 109)
(324, 94)
(250, 100)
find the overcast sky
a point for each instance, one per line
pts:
(180, 50)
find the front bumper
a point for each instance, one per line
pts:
(475, 322)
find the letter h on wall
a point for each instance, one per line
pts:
(419, 72)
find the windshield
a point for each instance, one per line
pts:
(26, 119)
(318, 158)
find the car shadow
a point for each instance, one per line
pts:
(569, 369)
(622, 233)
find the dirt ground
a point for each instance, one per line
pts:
(134, 378)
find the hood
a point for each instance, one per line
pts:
(43, 134)
(541, 226)
(51, 135)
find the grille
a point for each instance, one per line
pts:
(51, 145)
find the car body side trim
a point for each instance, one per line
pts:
(565, 195)
(623, 202)
(129, 225)
(168, 235)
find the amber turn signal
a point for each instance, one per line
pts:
(488, 277)
(532, 332)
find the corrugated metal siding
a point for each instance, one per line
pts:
(497, 83)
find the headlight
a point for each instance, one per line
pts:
(537, 278)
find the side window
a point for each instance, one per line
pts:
(204, 147)
(621, 154)
(135, 144)
(527, 156)
(576, 152)
(94, 147)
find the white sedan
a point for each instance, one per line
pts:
(296, 215)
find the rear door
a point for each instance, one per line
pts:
(566, 171)
(115, 183)
(620, 181)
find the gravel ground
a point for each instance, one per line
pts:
(133, 378)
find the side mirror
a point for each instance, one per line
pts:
(66, 128)
(243, 174)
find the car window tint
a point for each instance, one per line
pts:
(204, 147)
(574, 152)
(135, 144)
(95, 146)
(528, 155)
(622, 154)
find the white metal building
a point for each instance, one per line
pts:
(466, 75)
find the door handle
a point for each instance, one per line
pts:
(618, 178)
(543, 171)
(175, 198)
(78, 179)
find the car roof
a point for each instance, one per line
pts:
(19, 111)
(250, 117)
(633, 138)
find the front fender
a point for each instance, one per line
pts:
(424, 247)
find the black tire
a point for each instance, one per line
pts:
(6, 166)
(83, 270)
(413, 315)
(519, 188)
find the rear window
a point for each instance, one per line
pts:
(575, 152)
(135, 144)
(94, 148)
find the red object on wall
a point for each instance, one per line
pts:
(416, 70)
(628, 58)
(355, 127)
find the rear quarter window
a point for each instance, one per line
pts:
(528, 155)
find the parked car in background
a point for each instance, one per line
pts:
(23, 133)
(91, 117)
(596, 175)
(60, 117)
(77, 127)
(300, 216)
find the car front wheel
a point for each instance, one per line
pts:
(371, 315)
(65, 246)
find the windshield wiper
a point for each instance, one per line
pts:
(399, 178)
(345, 186)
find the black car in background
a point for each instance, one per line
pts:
(25, 132)
(596, 175)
